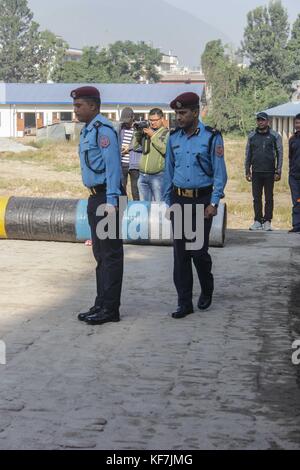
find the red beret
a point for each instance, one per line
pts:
(85, 92)
(185, 100)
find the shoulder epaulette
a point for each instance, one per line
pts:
(99, 124)
(173, 131)
(213, 130)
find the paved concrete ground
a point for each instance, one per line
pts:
(222, 379)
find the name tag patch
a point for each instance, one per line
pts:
(104, 141)
(219, 150)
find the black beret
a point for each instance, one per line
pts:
(85, 92)
(185, 101)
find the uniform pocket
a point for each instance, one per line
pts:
(93, 156)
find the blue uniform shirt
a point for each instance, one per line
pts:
(101, 154)
(190, 166)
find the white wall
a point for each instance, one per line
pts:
(8, 125)
(6, 121)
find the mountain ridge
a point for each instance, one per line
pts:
(101, 22)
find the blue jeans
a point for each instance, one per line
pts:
(151, 187)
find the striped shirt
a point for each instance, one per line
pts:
(127, 138)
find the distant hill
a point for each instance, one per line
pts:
(92, 22)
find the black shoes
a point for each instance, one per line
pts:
(203, 304)
(83, 316)
(103, 316)
(204, 301)
(182, 312)
(294, 230)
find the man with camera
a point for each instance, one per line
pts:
(153, 137)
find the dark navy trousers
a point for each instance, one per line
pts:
(183, 273)
(109, 256)
(295, 191)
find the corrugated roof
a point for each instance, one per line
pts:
(157, 94)
(285, 110)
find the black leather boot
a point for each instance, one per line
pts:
(183, 311)
(84, 315)
(204, 301)
(103, 316)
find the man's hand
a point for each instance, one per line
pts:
(277, 177)
(249, 177)
(210, 211)
(149, 132)
(125, 149)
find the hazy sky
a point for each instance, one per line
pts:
(229, 16)
(183, 29)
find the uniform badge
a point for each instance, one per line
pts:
(104, 142)
(219, 150)
(178, 105)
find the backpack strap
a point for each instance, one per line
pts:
(214, 132)
(97, 126)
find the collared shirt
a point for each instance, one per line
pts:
(189, 165)
(102, 155)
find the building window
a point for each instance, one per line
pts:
(29, 120)
(66, 116)
(172, 121)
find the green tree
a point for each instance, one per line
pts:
(293, 51)
(51, 56)
(16, 32)
(26, 54)
(222, 76)
(121, 62)
(265, 39)
(129, 61)
(236, 93)
(91, 68)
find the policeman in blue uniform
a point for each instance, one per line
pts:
(195, 173)
(99, 153)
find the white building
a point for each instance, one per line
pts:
(283, 115)
(25, 107)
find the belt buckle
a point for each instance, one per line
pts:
(188, 192)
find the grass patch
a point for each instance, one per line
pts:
(37, 187)
(63, 158)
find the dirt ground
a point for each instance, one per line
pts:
(221, 379)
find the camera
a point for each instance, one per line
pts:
(140, 125)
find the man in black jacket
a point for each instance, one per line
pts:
(263, 165)
(294, 174)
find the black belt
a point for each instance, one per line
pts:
(197, 192)
(100, 188)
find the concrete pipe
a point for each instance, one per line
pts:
(65, 220)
